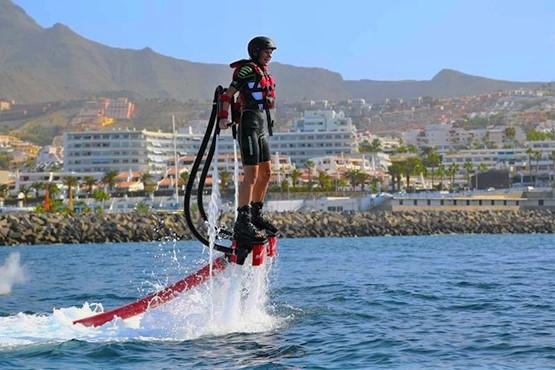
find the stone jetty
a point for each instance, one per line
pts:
(30, 228)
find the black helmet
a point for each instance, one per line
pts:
(259, 43)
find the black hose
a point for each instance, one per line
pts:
(204, 173)
(193, 174)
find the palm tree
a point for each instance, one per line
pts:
(395, 171)
(324, 180)
(295, 174)
(411, 148)
(100, 196)
(353, 176)
(452, 170)
(433, 159)
(37, 186)
(374, 181)
(362, 178)
(309, 165)
(225, 179)
(364, 147)
(510, 133)
(341, 183)
(53, 190)
(89, 182)
(4, 191)
(183, 178)
(468, 167)
(401, 149)
(411, 166)
(376, 146)
(71, 182)
(148, 184)
(441, 171)
(109, 179)
(284, 185)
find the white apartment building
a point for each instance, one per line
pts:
(515, 159)
(27, 179)
(318, 133)
(281, 165)
(444, 136)
(50, 155)
(375, 165)
(124, 150)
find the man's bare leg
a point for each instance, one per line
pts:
(250, 178)
(262, 180)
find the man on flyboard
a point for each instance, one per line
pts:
(256, 89)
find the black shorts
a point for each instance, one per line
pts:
(253, 138)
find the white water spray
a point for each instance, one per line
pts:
(237, 303)
(213, 213)
(235, 176)
(11, 272)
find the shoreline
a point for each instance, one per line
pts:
(32, 229)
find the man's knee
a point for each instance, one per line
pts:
(264, 173)
(250, 175)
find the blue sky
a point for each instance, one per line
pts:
(380, 40)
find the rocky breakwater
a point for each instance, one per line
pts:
(28, 228)
(322, 224)
(31, 228)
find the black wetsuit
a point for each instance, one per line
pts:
(253, 135)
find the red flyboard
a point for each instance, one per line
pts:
(156, 299)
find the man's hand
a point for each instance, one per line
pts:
(224, 123)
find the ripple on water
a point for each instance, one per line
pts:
(474, 301)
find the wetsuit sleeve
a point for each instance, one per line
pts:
(242, 75)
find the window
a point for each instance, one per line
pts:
(429, 202)
(493, 202)
(540, 202)
(400, 202)
(467, 202)
(415, 202)
(442, 202)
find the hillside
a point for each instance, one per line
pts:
(47, 64)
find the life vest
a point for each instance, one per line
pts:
(262, 91)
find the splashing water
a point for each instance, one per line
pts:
(213, 216)
(11, 272)
(235, 177)
(237, 302)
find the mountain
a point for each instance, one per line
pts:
(45, 64)
(446, 83)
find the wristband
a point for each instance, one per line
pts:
(223, 114)
(225, 98)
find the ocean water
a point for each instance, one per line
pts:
(456, 301)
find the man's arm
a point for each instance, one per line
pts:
(226, 122)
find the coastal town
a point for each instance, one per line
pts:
(331, 185)
(492, 151)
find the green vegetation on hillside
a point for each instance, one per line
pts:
(41, 130)
(535, 135)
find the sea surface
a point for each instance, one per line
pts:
(441, 302)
